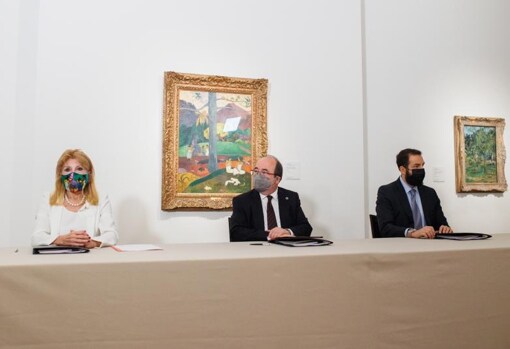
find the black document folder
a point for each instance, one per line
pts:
(59, 250)
(301, 241)
(463, 236)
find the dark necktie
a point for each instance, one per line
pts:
(271, 217)
(418, 224)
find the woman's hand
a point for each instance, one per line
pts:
(92, 244)
(73, 238)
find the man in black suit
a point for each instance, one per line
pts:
(406, 207)
(268, 211)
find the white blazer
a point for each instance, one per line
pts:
(100, 224)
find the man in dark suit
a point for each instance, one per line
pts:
(268, 211)
(406, 207)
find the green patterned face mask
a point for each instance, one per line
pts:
(75, 182)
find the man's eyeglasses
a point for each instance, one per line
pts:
(263, 172)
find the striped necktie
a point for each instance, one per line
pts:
(271, 217)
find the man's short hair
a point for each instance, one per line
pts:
(278, 170)
(403, 156)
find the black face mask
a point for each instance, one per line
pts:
(416, 178)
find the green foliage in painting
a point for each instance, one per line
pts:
(236, 149)
(480, 145)
(221, 182)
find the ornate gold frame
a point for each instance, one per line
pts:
(171, 199)
(460, 154)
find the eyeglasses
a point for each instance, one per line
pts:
(263, 172)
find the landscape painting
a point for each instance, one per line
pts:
(215, 129)
(219, 161)
(480, 154)
(480, 145)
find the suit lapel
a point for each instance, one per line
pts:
(403, 200)
(56, 216)
(424, 204)
(284, 207)
(91, 217)
(258, 215)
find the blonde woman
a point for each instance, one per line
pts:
(73, 215)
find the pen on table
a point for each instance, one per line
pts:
(257, 244)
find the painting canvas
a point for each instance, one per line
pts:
(214, 130)
(480, 154)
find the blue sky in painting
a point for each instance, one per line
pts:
(468, 130)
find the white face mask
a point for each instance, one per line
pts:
(261, 183)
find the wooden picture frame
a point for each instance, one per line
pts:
(479, 154)
(204, 170)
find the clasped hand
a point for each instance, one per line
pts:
(78, 238)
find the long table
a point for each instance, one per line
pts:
(383, 293)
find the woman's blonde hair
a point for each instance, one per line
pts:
(90, 192)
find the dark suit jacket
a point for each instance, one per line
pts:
(247, 221)
(394, 213)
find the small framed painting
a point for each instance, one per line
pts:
(479, 154)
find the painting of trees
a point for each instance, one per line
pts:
(480, 143)
(480, 154)
(214, 149)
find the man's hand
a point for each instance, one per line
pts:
(277, 232)
(73, 238)
(444, 229)
(427, 232)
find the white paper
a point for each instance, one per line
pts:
(136, 247)
(293, 170)
(438, 174)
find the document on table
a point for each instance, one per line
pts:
(136, 248)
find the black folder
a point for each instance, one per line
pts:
(301, 241)
(59, 250)
(463, 236)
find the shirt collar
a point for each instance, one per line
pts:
(273, 194)
(406, 185)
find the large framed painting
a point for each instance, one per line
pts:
(214, 130)
(480, 154)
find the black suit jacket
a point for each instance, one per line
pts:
(394, 213)
(247, 221)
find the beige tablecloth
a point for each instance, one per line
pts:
(386, 293)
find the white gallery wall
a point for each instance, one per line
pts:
(426, 62)
(93, 79)
(90, 76)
